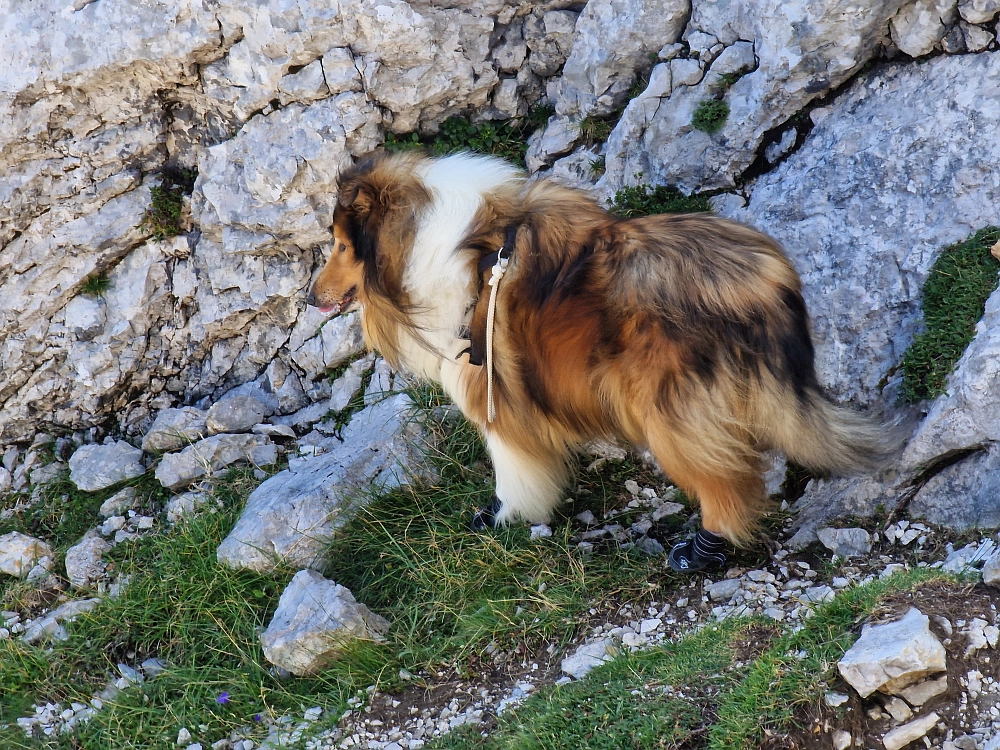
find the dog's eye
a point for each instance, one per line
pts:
(342, 247)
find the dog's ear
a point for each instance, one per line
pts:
(358, 197)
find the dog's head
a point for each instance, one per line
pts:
(374, 224)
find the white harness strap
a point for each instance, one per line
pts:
(496, 273)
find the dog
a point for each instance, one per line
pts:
(684, 334)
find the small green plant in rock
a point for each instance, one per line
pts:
(726, 80)
(507, 139)
(710, 116)
(598, 165)
(955, 293)
(643, 200)
(163, 217)
(95, 285)
(594, 130)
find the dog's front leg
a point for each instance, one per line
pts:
(529, 484)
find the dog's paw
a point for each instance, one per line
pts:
(486, 517)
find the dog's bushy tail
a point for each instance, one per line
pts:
(831, 439)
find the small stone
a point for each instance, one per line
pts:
(919, 694)
(648, 626)
(588, 656)
(723, 591)
(118, 503)
(650, 546)
(835, 699)
(540, 531)
(841, 739)
(235, 415)
(898, 709)
(632, 486)
(175, 428)
(587, 518)
(113, 524)
(667, 509)
(907, 733)
(846, 542)
(94, 467)
(84, 563)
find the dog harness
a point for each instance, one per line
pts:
(496, 273)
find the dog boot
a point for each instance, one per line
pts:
(486, 517)
(705, 550)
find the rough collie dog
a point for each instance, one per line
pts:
(686, 334)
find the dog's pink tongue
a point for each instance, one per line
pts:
(326, 310)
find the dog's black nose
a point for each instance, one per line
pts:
(311, 298)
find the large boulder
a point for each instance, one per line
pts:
(290, 518)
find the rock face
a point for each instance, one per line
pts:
(964, 495)
(863, 211)
(267, 103)
(892, 656)
(290, 517)
(314, 619)
(94, 467)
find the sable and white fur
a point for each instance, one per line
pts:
(686, 334)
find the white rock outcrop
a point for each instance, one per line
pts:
(209, 456)
(315, 618)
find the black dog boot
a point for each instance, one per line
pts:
(486, 517)
(705, 550)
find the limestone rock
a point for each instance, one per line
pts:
(344, 388)
(50, 626)
(315, 618)
(978, 11)
(836, 206)
(892, 656)
(588, 656)
(209, 456)
(612, 40)
(918, 27)
(846, 543)
(903, 735)
(235, 414)
(19, 553)
(185, 505)
(117, 504)
(722, 591)
(174, 428)
(827, 499)
(968, 414)
(94, 467)
(991, 571)
(290, 517)
(801, 50)
(964, 495)
(919, 694)
(83, 560)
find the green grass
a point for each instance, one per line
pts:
(202, 620)
(954, 298)
(507, 139)
(643, 200)
(95, 285)
(701, 691)
(710, 115)
(163, 217)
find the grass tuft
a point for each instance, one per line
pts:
(95, 285)
(507, 139)
(710, 116)
(643, 200)
(954, 298)
(163, 217)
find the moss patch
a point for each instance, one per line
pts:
(643, 200)
(163, 217)
(710, 116)
(954, 298)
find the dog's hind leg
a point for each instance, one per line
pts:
(529, 484)
(729, 486)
